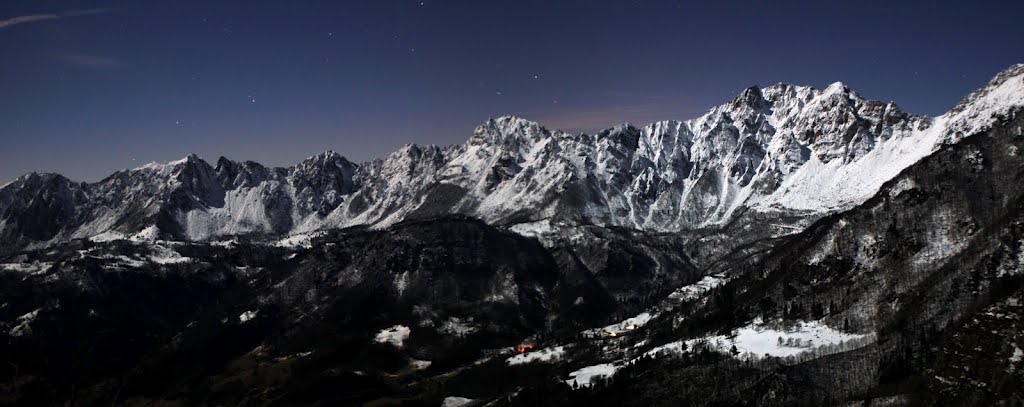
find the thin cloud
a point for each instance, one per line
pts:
(90, 61)
(27, 19)
(599, 118)
(31, 18)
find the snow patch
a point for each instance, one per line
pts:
(402, 282)
(303, 240)
(247, 316)
(417, 364)
(623, 326)
(165, 255)
(901, 186)
(586, 376)
(225, 243)
(546, 355)
(149, 234)
(33, 268)
(123, 260)
(453, 401)
(756, 340)
(395, 335)
(533, 229)
(698, 289)
(23, 328)
(108, 236)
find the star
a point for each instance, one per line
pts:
(536, 76)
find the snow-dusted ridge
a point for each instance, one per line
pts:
(781, 149)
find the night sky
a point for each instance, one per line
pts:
(87, 88)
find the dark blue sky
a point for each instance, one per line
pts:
(87, 88)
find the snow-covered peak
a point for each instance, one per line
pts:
(1011, 77)
(150, 166)
(835, 87)
(325, 158)
(1003, 94)
(507, 129)
(40, 180)
(170, 165)
(191, 159)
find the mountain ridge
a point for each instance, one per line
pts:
(783, 149)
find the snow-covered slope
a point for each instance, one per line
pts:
(782, 149)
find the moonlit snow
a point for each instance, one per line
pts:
(758, 340)
(545, 355)
(395, 335)
(23, 323)
(698, 289)
(246, 316)
(585, 377)
(453, 401)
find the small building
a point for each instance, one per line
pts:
(524, 347)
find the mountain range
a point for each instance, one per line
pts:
(793, 246)
(782, 149)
